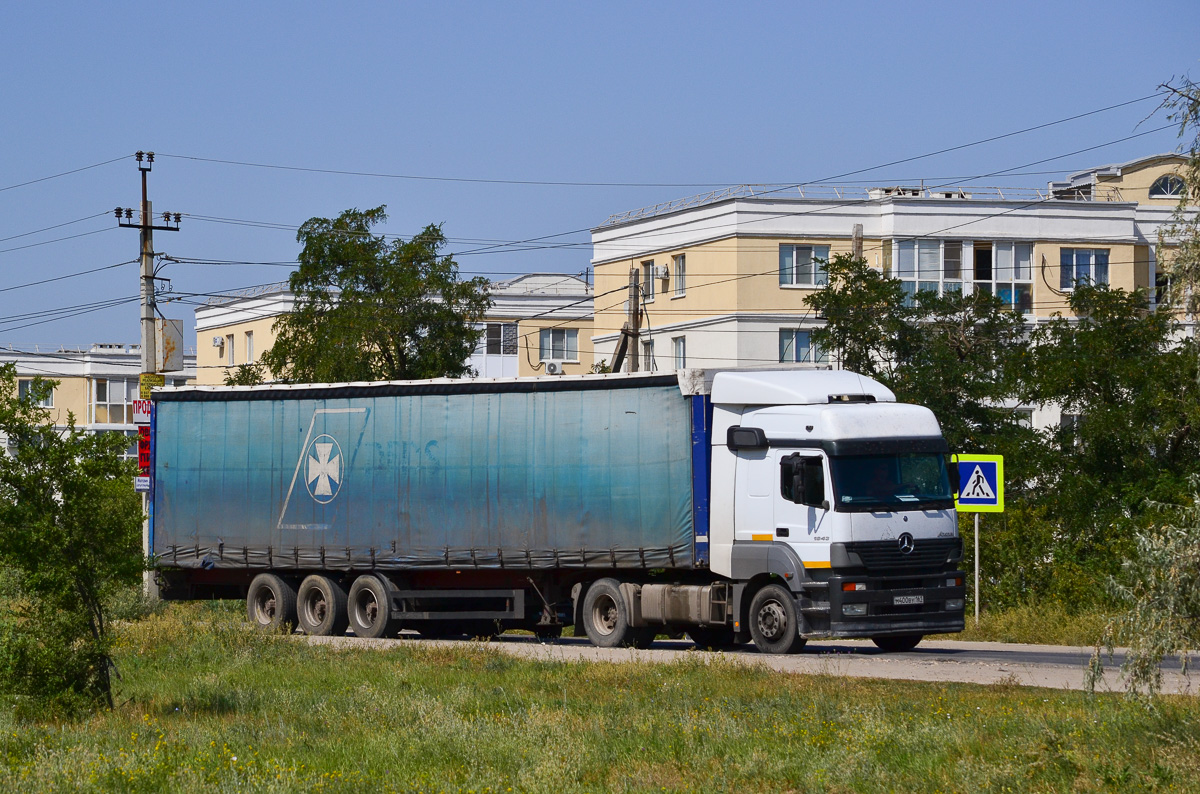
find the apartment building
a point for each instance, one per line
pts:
(535, 319)
(722, 277)
(96, 384)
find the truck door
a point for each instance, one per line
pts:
(802, 502)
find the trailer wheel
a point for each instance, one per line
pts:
(321, 607)
(271, 603)
(605, 618)
(897, 643)
(775, 621)
(368, 609)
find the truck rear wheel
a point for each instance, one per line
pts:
(368, 609)
(775, 621)
(897, 643)
(321, 607)
(606, 618)
(271, 603)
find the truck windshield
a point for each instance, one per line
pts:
(891, 482)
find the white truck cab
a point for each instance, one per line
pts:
(823, 480)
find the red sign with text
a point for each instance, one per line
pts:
(144, 449)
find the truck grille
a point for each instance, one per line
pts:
(929, 554)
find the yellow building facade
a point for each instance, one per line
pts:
(535, 319)
(722, 278)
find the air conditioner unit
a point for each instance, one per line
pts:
(554, 368)
(660, 271)
(218, 341)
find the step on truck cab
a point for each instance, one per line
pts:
(733, 505)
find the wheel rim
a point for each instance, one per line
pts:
(772, 620)
(605, 615)
(316, 608)
(366, 608)
(264, 606)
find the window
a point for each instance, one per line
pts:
(131, 451)
(499, 339)
(929, 266)
(1167, 186)
(112, 400)
(249, 347)
(560, 344)
(1087, 265)
(648, 281)
(23, 388)
(679, 347)
(796, 346)
(648, 364)
(1013, 274)
(680, 275)
(229, 350)
(802, 480)
(803, 265)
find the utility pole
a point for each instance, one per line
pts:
(631, 330)
(145, 224)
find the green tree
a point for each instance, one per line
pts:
(957, 354)
(70, 534)
(245, 375)
(1179, 241)
(368, 309)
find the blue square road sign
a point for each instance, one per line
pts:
(980, 483)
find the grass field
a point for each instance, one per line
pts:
(206, 705)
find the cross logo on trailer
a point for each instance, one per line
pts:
(906, 543)
(323, 474)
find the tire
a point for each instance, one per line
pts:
(897, 643)
(775, 621)
(321, 607)
(606, 619)
(271, 603)
(369, 609)
(715, 637)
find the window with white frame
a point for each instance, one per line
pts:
(559, 344)
(25, 386)
(648, 281)
(929, 266)
(1009, 275)
(500, 339)
(680, 275)
(1168, 186)
(112, 400)
(803, 265)
(648, 364)
(249, 347)
(796, 346)
(1082, 265)
(679, 348)
(229, 350)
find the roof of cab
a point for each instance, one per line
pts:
(793, 387)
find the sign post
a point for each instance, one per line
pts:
(980, 490)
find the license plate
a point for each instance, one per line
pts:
(906, 600)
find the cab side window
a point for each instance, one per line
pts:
(802, 480)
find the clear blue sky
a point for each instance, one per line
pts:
(678, 93)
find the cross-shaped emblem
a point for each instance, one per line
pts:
(325, 470)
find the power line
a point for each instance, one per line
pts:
(64, 173)
(68, 275)
(56, 240)
(48, 228)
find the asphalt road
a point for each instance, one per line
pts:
(1051, 666)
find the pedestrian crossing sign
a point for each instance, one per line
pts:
(980, 483)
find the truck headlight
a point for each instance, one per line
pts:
(854, 610)
(954, 603)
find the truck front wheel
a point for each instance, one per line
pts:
(368, 610)
(271, 603)
(606, 618)
(321, 607)
(775, 621)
